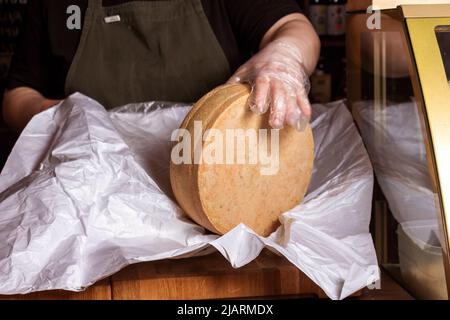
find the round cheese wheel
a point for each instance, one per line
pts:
(239, 169)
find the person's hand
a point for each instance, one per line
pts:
(48, 103)
(21, 104)
(280, 83)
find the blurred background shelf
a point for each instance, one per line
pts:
(332, 41)
(328, 17)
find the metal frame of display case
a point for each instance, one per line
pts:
(432, 89)
(420, 21)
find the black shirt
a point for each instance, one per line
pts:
(46, 46)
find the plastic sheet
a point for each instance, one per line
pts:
(86, 192)
(395, 142)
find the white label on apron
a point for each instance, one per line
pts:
(112, 19)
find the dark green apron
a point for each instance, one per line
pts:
(146, 51)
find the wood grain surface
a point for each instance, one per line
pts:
(211, 277)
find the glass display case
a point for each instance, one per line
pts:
(398, 90)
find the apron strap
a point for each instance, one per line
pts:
(95, 4)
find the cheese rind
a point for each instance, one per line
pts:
(221, 196)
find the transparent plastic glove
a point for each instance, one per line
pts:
(280, 83)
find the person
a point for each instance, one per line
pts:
(173, 50)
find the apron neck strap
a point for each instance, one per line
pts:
(95, 4)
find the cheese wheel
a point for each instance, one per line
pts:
(233, 175)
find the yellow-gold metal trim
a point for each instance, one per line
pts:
(432, 88)
(362, 5)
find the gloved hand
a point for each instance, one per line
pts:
(280, 83)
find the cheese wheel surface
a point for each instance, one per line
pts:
(254, 188)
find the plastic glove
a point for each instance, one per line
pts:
(280, 83)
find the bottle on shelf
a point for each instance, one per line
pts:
(318, 15)
(336, 17)
(321, 85)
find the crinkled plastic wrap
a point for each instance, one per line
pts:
(86, 192)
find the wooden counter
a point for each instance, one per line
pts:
(211, 277)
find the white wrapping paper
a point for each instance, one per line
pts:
(86, 192)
